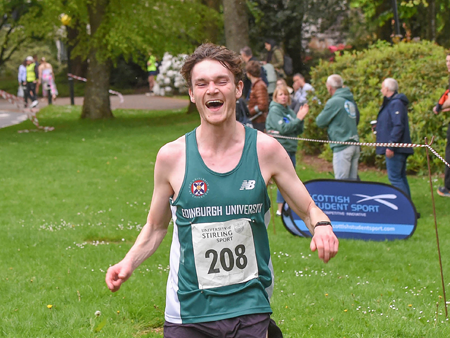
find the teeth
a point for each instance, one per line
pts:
(211, 102)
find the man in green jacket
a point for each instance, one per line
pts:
(341, 116)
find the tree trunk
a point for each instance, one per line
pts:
(211, 28)
(79, 66)
(236, 24)
(96, 98)
(432, 20)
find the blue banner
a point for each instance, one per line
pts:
(358, 210)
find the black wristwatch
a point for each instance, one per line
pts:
(323, 223)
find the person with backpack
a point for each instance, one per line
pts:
(275, 56)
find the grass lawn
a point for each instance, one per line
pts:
(73, 200)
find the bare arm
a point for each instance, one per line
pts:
(158, 220)
(446, 104)
(275, 163)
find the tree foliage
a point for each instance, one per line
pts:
(19, 24)
(422, 75)
(426, 19)
(113, 28)
(288, 21)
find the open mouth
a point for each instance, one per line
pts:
(214, 104)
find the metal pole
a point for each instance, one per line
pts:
(435, 225)
(396, 19)
(69, 68)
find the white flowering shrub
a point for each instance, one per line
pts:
(169, 80)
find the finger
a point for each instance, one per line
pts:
(312, 245)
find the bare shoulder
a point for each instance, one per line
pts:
(172, 152)
(267, 146)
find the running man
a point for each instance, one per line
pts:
(213, 183)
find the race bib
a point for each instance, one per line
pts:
(224, 253)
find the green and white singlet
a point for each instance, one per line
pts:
(220, 265)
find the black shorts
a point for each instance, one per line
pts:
(153, 72)
(249, 326)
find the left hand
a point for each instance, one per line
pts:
(325, 242)
(389, 153)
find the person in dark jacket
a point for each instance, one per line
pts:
(283, 121)
(393, 127)
(258, 103)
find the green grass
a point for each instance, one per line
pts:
(72, 202)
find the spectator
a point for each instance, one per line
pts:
(283, 121)
(340, 115)
(294, 105)
(274, 56)
(301, 88)
(258, 104)
(393, 127)
(47, 78)
(36, 72)
(22, 78)
(31, 80)
(271, 78)
(152, 72)
(247, 55)
(444, 106)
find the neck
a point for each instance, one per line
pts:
(218, 137)
(253, 79)
(390, 94)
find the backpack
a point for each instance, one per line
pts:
(288, 66)
(242, 113)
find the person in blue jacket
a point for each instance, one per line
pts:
(393, 127)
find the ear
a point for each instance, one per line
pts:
(239, 88)
(191, 95)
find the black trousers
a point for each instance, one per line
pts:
(447, 158)
(30, 92)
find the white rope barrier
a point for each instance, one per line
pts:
(85, 80)
(31, 113)
(388, 145)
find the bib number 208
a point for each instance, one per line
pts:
(227, 259)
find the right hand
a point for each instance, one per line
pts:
(117, 274)
(303, 111)
(434, 110)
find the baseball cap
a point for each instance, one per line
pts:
(30, 58)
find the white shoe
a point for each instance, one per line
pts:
(34, 103)
(278, 213)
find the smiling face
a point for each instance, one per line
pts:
(214, 92)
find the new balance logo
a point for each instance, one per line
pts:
(248, 185)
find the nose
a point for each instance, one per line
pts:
(211, 87)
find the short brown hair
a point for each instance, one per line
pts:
(281, 89)
(209, 51)
(253, 68)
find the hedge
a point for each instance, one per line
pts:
(422, 76)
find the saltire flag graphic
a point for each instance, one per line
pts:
(199, 188)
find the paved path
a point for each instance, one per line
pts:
(10, 114)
